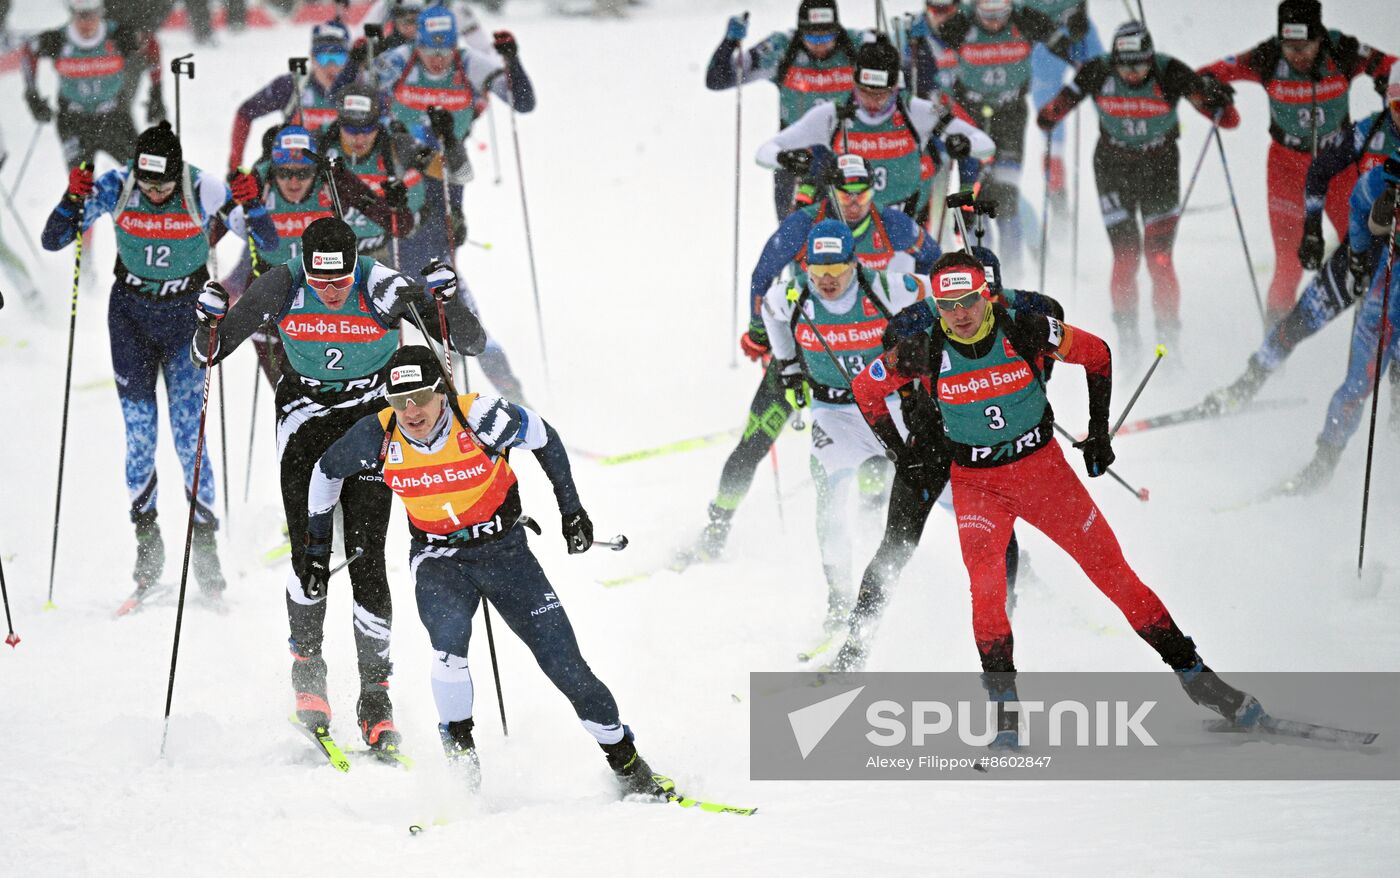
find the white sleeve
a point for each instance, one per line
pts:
(982, 146)
(777, 314)
(502, 424)
(480, 66)
(323, 492)
(213, 194)
(902, 289)
(815, 126)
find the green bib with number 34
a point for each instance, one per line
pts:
(335, 345)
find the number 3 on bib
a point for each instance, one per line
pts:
(995, 420)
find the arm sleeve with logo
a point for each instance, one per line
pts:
(814, 127)
(1070, 344)
(262, 301)
(501, 425)
(394, 293)
(354, 452)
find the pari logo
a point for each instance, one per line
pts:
(919, 723)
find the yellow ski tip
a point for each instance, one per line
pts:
(1161, 350)
(50, 605)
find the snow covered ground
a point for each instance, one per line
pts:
(628, 162)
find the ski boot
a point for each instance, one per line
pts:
(460, 748)
(150, 552)
(1316, 474)
(710, 545)
(1001, 688)
(635, 779)
(1205, 687)
(1129, 341)
(377, 718)
(309, 683)
(1237, 395)
(204, 556)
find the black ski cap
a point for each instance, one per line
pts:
(158, 154)
(413, 367)
(877, 64)
(357, 105)
(1300, 20)
(328, 247)
(818, 16)
(1132, 44)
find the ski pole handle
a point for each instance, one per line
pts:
(354, 557)
(1161, 352)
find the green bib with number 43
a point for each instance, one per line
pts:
(335, 345)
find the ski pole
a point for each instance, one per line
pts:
(13, 638)
(617, 543)
(738, 165)
(1239, 223)
(495, 153)
(19, 223)
(495, 668)
(1074, 215)
(354, 556)
(189, 536)
(67, 391)
(1045, 213)
(181, 66)
(252, 430)
(28, 154)
(1160, 353)
(297, 68)
(1140, 493)
(1381, 341)
(529, 239)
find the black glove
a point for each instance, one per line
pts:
(503, 41)
(212, 304)
(578, 532)
(1216, 95)
(155, 109)
(1311, 247)
(796, 161)
(316, 570)
(1077, 24)
(920, 413)
(958, 146)
(39, 107)
(1359, 265)
(395, 194)
(924, 464)
(1098, 450)
(794, 383)
(443, 125)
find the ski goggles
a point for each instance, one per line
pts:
(359, 130)
(293, 172)
(964, 301)
(1134, 69)
(855, 191)
(436, 54)
(159, 188)
(331, 284)
(819, 38)
(829, 269)
(332, 57)
(420, 397)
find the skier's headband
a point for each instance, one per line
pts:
(959, 282)
(1298, 30)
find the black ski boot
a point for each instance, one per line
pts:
(150, 552)
(634, 777)
(1316, 474)
(710, 545)
(1202, 685)
(204, 557)
(1001, 688)
(460, 748)
(309, 683)
(377, 718)
(1237, 395)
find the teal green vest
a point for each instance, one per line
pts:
(808, 81)
(994, 68)
(1295, 100)
(291, 219)
(161, 242)
(416, 91)
(373, 171)
(854, 337)
(88, 78)
(989, 402)
(1135, 116)
(891, 150)
(335, 346)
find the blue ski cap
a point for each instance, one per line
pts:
(291, 147)
(830, 243)
(437, 28)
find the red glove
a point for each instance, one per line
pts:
(80, 182)
(245, 186)
(753, 349)
(503, 41)
(1229, 117)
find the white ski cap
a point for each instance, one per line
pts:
(154, 164)
(327, 261)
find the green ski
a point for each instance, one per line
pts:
(321, 737)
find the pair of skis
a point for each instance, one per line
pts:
(320, 738)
